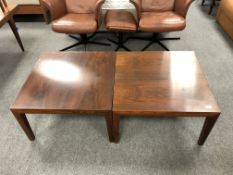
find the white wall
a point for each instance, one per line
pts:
(117, 4)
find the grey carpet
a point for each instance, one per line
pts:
(79, 144)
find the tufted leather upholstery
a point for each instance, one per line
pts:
(74, 16)
(161, 15)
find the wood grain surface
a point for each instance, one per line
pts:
(169, 84)
(68, 82)
(161, 83)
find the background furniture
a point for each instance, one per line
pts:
(120, 21)
(6, 16)
(161, 16)
(76, 17)
(68, 83)
(162, 84)
(213, 3)
(29, 7)
(225, 16)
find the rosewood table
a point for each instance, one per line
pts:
(161, 84)
(65, 83)
(157, 84)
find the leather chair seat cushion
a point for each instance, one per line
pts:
(161, 22)
(75, 24)
(120, 20)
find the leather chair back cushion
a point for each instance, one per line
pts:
(81, 6)
(157, 5)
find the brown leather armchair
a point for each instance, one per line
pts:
(158, 16)
(75, 17)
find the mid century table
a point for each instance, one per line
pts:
(65, 83)
(157, 84)
(162, 84)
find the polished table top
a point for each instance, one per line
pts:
(69, 82)
(161, 83)
(146, 83)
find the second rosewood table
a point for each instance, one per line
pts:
(161, 84)
(68, 83)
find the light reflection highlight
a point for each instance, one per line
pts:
(60, 71)
(183, 69)
(63, 22)
(208, 106)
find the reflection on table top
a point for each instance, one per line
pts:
(161, 83)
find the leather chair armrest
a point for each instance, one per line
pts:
(98, 5)
(57, 8)
(227, 8)
(138, 6)
(182, 6)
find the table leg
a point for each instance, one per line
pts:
(109, 123)
(23, 122)
(116, 128)
(15, 31)
(207, 127)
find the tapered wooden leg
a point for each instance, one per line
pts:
(116, 128)
(207, 127)
(109, 123)
(14, 29)
(45, 17)
(23, 122)
(44, 11)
